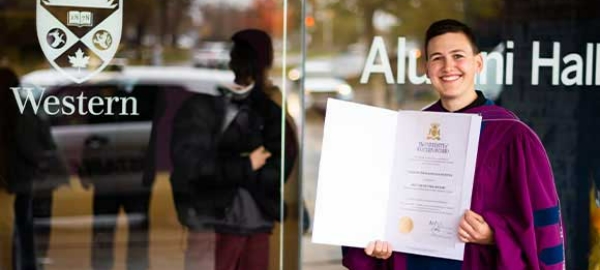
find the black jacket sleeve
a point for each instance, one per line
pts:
(267, 186)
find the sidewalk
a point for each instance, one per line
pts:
(320, 257)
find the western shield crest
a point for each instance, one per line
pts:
(79, 37)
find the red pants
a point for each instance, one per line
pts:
(231, 252)
(242, 252)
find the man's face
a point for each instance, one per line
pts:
(452, 65)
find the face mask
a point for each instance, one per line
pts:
(236, 91)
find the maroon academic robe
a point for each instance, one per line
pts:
(515, 193)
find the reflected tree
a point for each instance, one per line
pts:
(412, 16)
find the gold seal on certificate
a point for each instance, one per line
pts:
(406, 225)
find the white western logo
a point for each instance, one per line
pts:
(79, 38)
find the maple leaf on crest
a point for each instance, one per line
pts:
(79, 61)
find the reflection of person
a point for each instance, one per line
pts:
(514, 221)
(125, 185)
(29, 142)
(8, 117)
(22, 166)
(52, 173)
(226, 162)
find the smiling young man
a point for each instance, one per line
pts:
(514, 221)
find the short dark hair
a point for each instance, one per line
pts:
(441, 27)
(260, 42)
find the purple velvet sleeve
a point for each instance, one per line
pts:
(529, 236)
(356, 259)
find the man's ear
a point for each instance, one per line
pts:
(479, 62)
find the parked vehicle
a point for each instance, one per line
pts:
(320, 83)
(212, 55)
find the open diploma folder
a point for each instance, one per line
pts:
(404, 177)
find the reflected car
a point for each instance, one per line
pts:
(213, 55)
(115, 153)
(112, 139)
(320, 83)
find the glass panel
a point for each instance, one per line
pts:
(146, 135)
(538, 59)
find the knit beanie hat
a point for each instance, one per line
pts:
(260, 42)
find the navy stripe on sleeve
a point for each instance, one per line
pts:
(546, 217)
(552, 255)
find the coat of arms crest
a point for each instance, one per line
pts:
(434, 132)
(79, 37)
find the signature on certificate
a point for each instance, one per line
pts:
(439, 229)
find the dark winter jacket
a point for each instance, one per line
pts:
(209, 165)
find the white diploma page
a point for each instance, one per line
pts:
(432, 182)
(354, 174)
(404, 177)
